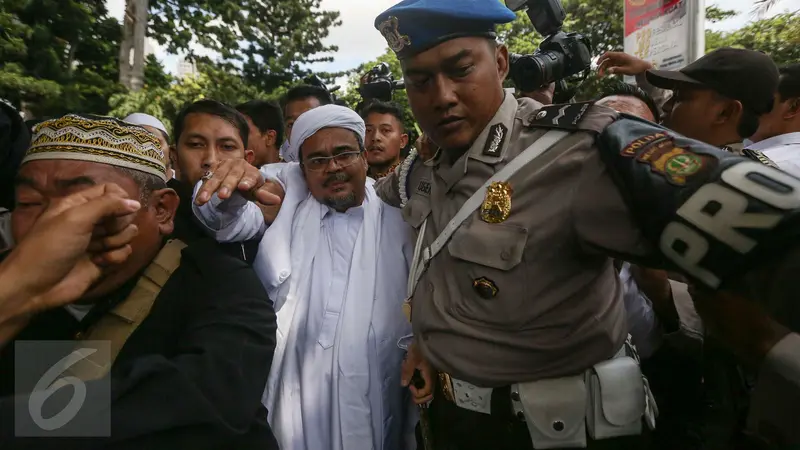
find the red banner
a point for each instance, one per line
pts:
(639, 13)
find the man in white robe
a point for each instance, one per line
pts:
(335, 261)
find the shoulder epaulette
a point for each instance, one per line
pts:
(759, 156)
(583, 116)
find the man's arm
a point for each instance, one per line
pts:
(775, 403)
(700, 211)
(225, 203)
(232, 220)
(388, 187)
(205, 395)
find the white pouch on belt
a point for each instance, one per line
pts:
(616, 399)
(554, 411)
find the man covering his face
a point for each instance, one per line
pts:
(171, 312)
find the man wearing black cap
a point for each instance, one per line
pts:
(519, 329)
(717, 99)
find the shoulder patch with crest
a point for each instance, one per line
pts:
(494, 143)
(567, 116)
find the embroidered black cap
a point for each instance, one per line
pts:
(745, 75)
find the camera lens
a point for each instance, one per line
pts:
(530, 72)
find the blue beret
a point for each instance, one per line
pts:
(413, 26)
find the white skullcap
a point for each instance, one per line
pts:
(142, 119)
(328, 116)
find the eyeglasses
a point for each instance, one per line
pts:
(342, 160)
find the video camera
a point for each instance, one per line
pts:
(559, 56)
(314, 80)
(379, 84)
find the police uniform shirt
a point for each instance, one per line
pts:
(534, 296)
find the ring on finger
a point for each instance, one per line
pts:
(207, 176)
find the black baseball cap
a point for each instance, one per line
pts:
(748, 76)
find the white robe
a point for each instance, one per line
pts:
(335, 379)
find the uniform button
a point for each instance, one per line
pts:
(430, 286)
(558, 425)
(505, 256)
(78, 336)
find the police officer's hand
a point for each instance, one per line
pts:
(655, 285)
(415, 361)
(66, 249)
(620, 63)
(741, 324)
(232, 175)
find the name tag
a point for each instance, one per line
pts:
(424, 188)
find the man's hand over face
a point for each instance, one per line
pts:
(619, 63)
(70, 243)
(237, 175)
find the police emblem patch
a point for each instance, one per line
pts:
(496, 205)
(675, 163)
(642, 143)
(389, 30)
(494, 143)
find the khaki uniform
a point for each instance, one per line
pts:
(536, 295)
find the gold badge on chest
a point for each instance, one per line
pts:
(496, 205)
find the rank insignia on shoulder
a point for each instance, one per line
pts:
(494, 143)
(485, 288)
(496, 205)
(566, 116)
(760, 157)
(676, 164)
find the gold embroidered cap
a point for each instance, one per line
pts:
(104, 140)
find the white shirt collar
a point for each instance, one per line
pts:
(774, 141)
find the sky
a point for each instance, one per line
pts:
(359, 42)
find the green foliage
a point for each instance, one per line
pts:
(778, 36)
(165, 102)
(154, 74)
(58, 56)
(269, 40)
(353, 99)
(714, 14)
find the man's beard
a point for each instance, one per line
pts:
(339, 202)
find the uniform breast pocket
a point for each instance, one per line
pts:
(490, 270)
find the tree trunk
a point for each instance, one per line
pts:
(139, 36)
(127, 44)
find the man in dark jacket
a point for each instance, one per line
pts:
(190, 330)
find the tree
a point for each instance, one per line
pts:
(213, 81)
(778, 36)
(154, 74)
(58, 56)
(269, 41)
(353, 98)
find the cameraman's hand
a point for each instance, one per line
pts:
(619, 63)
(237, 175)
(543, 95)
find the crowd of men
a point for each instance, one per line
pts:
(613, 274)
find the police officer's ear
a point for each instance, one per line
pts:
(731, 112)
(501, 56)
(794, 108)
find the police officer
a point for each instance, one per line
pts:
(519, 330)
(717, 99)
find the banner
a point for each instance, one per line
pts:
(659, 31)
